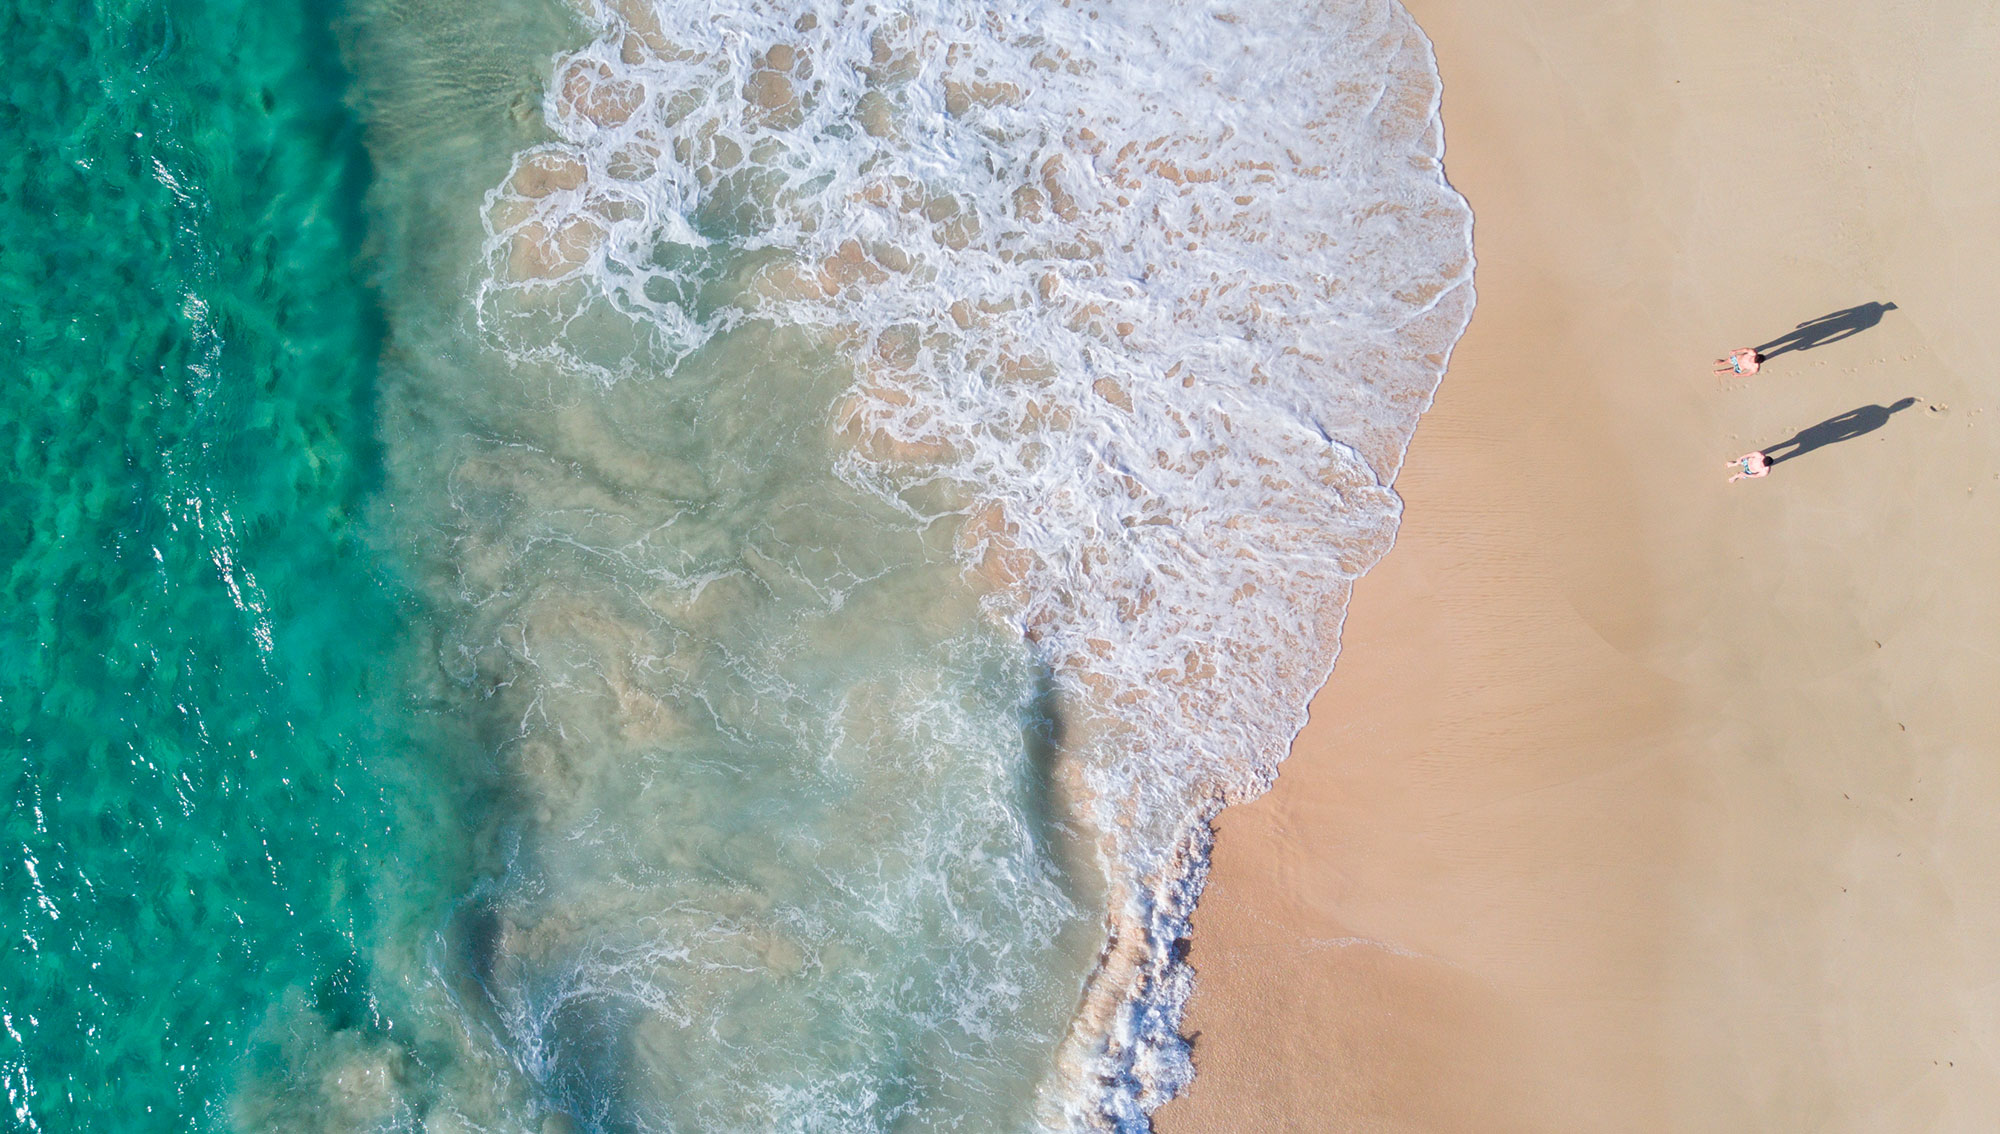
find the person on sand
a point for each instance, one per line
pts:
(1751, 465)
(1742, 360)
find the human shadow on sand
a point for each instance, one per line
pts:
(1844, 427)
(1826, 329)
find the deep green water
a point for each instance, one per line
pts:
(197, 675)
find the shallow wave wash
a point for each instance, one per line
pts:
(1146, 299)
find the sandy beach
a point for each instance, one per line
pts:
(1640, 800)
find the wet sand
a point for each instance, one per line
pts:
(1640, 800)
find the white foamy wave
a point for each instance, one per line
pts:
(1154, 294)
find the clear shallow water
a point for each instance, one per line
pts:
(1136, 306)
(774, 841)
(796, 515)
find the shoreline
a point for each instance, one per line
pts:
(1640, 800)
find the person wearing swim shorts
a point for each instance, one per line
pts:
(1742, 360)
(1750, 466)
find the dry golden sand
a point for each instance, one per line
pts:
(1642, 801)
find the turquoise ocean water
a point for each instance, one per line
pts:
(624, 566)
(196, 704)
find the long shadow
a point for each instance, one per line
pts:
(1830, 328)
(1844, 427)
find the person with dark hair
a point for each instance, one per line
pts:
(1751, 466)
(1742, 360)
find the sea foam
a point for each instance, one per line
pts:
(1143, 299)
